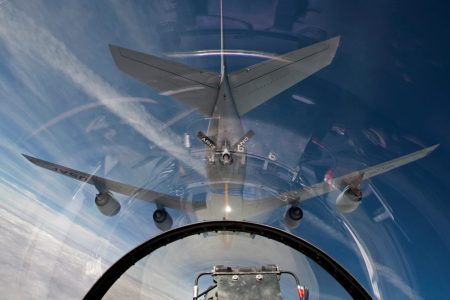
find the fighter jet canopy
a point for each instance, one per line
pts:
(245, 267)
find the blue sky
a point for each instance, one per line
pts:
(64, 100)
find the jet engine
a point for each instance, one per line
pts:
(349, 199)
(107, 204)
(162, 219)
(293, 216)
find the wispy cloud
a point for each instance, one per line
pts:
(28, 41)
(320, 225)
(397, 282)
(83, 108)
(45, 245)
(38, 265)
(28, 273)
(28, 207)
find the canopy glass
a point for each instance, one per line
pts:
(65, 100)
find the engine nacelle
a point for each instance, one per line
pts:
(349, 199)
(162, 219)
(107, 204)
(293, 216)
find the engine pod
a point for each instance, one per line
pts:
(162, 219)
(107, 204)
(293, 216)
(348, 200)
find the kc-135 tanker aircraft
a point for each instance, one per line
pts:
(224, 98)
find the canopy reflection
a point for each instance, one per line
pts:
(65, 101)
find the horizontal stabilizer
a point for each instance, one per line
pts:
(256, 84)
(197, 88)
(103, 184)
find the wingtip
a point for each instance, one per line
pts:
(334, 44)
(112, 48)
(432, 148)
(335, 40)
(27, 157)
(31, 159)
(116, 54)
(115, 50)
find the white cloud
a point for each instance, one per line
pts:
(36, 265)
(45, 254)
(28, 208)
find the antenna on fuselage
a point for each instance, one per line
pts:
(222, 59)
